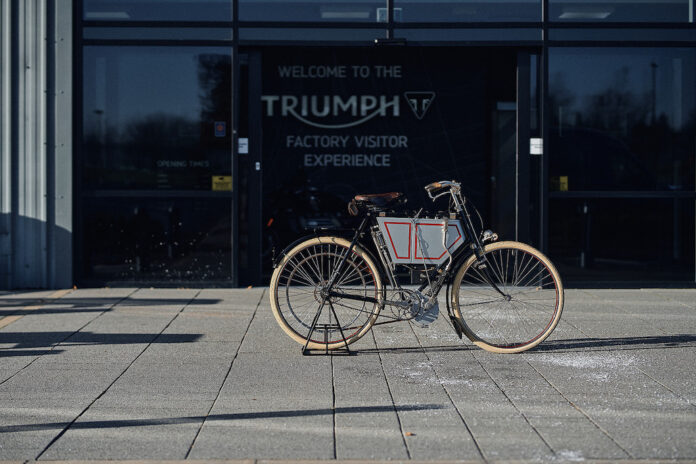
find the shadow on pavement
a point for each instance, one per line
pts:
(624, 343)
(67, 303)
(106, 424)
(44, 339)
(8, 354)
(24, 312)
(415, 349)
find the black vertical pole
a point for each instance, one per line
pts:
(234, 210)
(522, 176)
(545, 132)
(390, 19)
(255, 177)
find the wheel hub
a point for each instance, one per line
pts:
(320, 292)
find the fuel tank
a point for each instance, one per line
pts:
(418, 241)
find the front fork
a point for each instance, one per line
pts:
(483, 266)
(482, 263)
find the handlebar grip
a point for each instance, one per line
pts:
(430, 188)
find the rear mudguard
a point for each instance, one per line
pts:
(342, 233)
(345, 234)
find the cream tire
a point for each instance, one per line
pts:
(496, 323)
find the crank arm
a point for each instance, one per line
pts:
(368, 299)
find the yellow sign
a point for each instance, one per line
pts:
(563, 184)
(558, 183)
(222, 183)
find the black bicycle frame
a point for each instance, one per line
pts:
(470, 246)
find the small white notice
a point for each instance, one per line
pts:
(243, 146)
(536, 146)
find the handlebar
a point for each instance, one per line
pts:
(434, 188)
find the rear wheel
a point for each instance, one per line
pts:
(298, 286)
(524, 312)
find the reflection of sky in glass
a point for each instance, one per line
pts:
(158, 10)
(619, 10)
(127, 84)
(585, 73)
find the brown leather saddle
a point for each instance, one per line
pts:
(374, 201)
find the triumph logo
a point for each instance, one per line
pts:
(314, 110)
(419, 102)
(310, 108)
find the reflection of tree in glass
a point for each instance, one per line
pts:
(617, 109)
(629, 130)
(561, 100)
(160, 137)
(215, 95)
(131, 156)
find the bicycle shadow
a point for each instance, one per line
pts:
(415, 349)
(120, 423)
(653, 342)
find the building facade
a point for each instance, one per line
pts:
(182, 142)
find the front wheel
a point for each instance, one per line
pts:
(298, 293)
(523, 312)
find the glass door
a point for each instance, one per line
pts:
(338, 122)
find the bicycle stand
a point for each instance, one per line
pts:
(345, 350)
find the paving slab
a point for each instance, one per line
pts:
(207, 374)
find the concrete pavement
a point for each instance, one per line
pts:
(154, 374)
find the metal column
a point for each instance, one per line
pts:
(5, 150)
(35, 143)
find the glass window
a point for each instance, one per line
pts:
(313, 10)
(156, 117)
(622, 119)
(467, 10)
(621, 153)
(620, 10)
(157, 10)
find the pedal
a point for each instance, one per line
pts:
(425, 318)
(457, 326)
